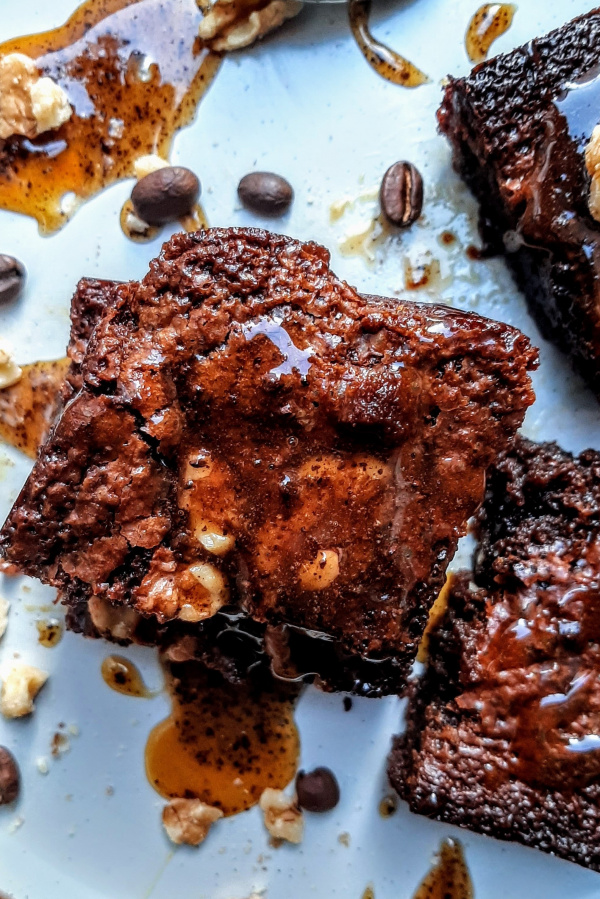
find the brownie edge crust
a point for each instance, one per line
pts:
(248, 431)
(518, 126)
(503, 730)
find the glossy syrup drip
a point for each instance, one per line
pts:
(223, 743)
(49, 632)
(386, 62)
(134, 73)
(28, 407)
(122, 676)
(488, 24)
(449, 878)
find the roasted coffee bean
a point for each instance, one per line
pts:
(265, 193)
(165, 195)
(10, 780)
(12, 279)
(317, 791)
(401, 194)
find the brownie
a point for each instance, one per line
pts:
(518, 125)
(251, 432)
(503, 730)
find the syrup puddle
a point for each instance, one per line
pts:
(123, 676)
(386, 62)
(489, 23)
(134, 73)
(223, 743)
(27, 408)
(449, 878)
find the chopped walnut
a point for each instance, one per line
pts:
(10, 372)
(4, 607)
(283, 819)
(145, 165)
(321, 572)
(189, 820)
(19, 688)
(29, 103)
(228, 27)
(113, 622)
(592, 162)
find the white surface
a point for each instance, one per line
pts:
(306, 105)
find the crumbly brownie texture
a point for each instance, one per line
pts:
(250, 430)
(503, 732)
(518, 126)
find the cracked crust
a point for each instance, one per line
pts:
(244, 346)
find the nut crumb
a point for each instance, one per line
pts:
(59, 745)
(145, 165)
(19, 688)
(15, 824)
(4, 607)
(283, 819)
(344, 839)
(42, 765)
(10, 372)
(189, 820)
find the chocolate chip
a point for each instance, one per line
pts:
(401, 194)
(317, 791)
(165, 195)
(10, 780)
(265, 193)
(12, 279)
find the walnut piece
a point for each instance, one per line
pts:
(19, 688)
(10, 372)
(592, 163)
(189, 820)
(283, 819)
(113, 622)
(29, 103)
(4, 607)
(225, 27)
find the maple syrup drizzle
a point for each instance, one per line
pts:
(488, 24)
(123, 676)
(27, 408)
(134, 72)
(449, 878)
(49, 632)
(223, 743)
(388, 806)
(386, 62)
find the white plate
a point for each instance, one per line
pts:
(303, 103)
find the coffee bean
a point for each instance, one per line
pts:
(10, 780)
(401, 194)
(317, 791)
(165, 195)
(265, 193)
(12, 279)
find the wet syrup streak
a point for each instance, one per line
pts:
(134, 73)
(449, 878)
(223, 743)
(28, 407)
(123, 676)
(387, 63)
(489, 22)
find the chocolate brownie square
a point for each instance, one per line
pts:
(503, 733)
(251, 432)
(519, 125)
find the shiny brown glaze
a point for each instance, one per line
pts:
(27, 408)
(449, 878)
(489, 23)
(134, 73)
(223, 743)
(387, 63)
(312, 454)
(122, 676)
